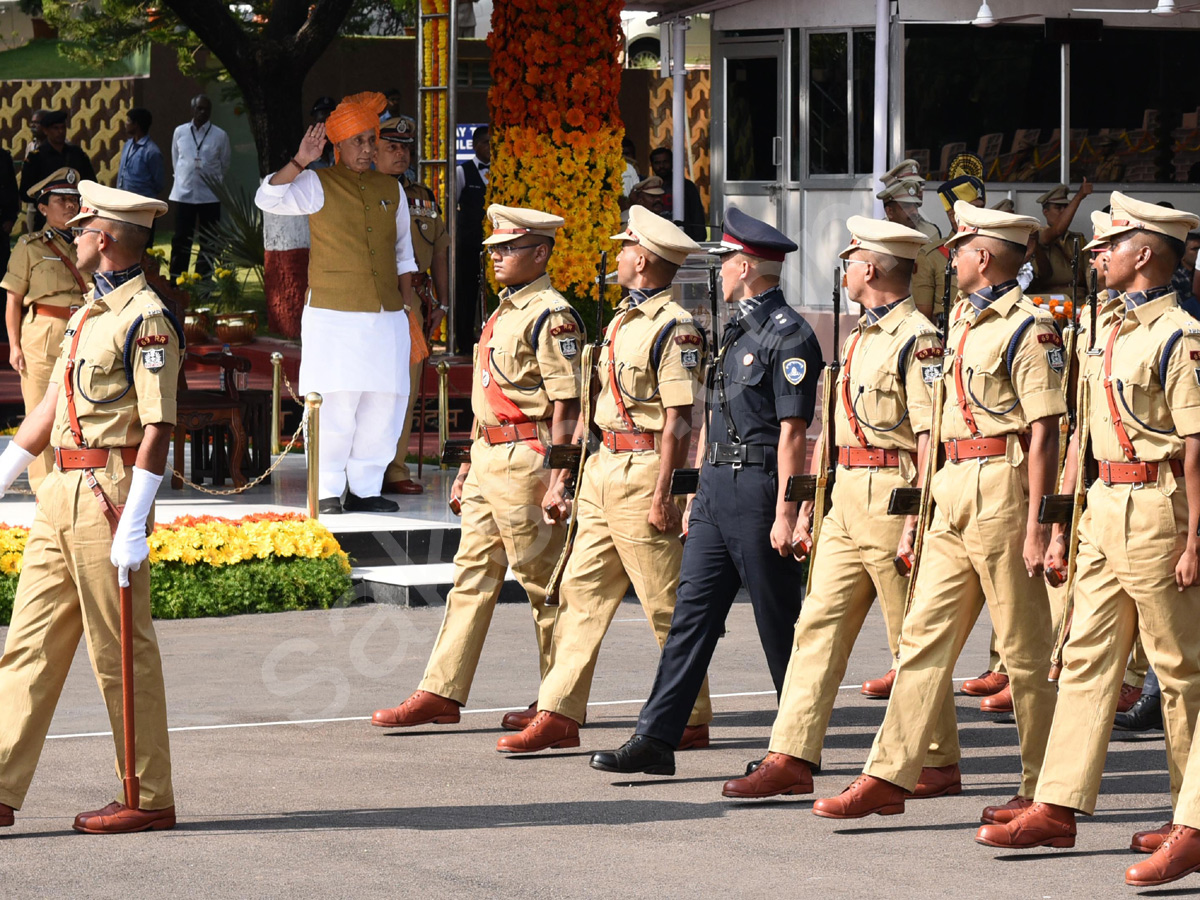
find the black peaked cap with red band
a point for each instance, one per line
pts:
(754, 237)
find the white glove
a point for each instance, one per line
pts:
(130, 548)
(13, 461)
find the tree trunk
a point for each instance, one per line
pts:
(274, 108)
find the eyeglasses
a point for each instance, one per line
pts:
(955, 252)
(847, 263)
(78, 232)
(503, 250)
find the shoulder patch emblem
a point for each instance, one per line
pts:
(1050, 338)
(794, 369)
(569, 347)
(1197, 372)
(564, 328)
(154, 358)
(1194, 354)
(689, 358)
(687, 339)
(152, 340)
(931, 373)
(930, 353)
(1056, 359)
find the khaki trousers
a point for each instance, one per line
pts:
(502, 527)
(853, 565)
(972, 554)
(1129, 543)
(398, 469)
(68, 588)
(41, 340)
(1135, 672)
(614, 546)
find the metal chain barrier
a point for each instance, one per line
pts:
(226, 492)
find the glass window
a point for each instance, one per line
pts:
(864, 100)
(828, 109)
(751, 118)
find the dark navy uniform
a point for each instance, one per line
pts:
(767, 370)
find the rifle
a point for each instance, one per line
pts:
(1076, 503)
(909, 565)
(687, 481)
(1070, 337)
(825, 458)
(591, 353)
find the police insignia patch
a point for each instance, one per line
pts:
(689, 358)
(1056, 359)
(154, 358)
(931, 373)
(1197, 371)
(152, 340)
(569, 347)
(794, 369)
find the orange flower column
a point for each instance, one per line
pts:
(556, 129)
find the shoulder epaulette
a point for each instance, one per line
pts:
(786, 320)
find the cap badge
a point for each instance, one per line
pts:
(71, 176)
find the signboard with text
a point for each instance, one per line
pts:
(462, 142)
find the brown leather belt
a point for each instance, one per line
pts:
(628, 441)
(868, 458)
(1134, 473)
(54, 312)
(509, 434)
(92, 459)
(978, 448)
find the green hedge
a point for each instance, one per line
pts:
(180, 591)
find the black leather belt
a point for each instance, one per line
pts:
(736, 455)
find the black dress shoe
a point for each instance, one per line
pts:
(330, 506)
(355, 503)
(639, 754)
(1144, 715)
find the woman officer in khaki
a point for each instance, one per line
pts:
(44, 288)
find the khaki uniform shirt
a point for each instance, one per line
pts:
(155, 356)
(1003, 399)
(531, 377)
(645, 390)
(1152, 404)
(896, 361)
(37, 273)
(429, 235)
(929, 279)
(1057, 279)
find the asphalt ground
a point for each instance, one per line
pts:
(336, 808)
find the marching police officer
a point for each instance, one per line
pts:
(110, 423)
(628, 523)
(883, 414)
(525, 397)
(929, 276)
(44, 287)
(740, 527)
(1137, 565)
(1002, 374)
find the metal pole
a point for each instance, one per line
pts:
(1064, 139)
(312, 447)
(678, 114)
(883, 58)
(451, 182)
(443, 370)
(276, 384)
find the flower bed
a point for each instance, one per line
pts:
(208, 566)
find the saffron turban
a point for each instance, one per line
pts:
(354, 115)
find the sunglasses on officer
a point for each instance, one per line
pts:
(503, 250)
(79, 232)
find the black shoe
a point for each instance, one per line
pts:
(330, 506)
(639, 754)
(355, 503)
(1144, 715)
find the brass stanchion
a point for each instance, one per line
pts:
(312, 450)
(443, 370)
(276, 384)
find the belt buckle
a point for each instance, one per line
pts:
(739, 460)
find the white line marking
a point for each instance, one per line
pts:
(465, 712)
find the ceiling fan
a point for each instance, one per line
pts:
(984, 18)
(1164, 8)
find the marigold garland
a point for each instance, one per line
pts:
(435, 50)
(556, 127)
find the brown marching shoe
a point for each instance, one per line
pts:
(985, 685)
(1149, 841)
(865, 795)
(999, 702)
(548, 731)
(422, 708)
(695, 737)
(937, 781)
(407, 486)
(1002, 815)
(1129, 696)
(7, 816)
(117, 818)
(519, 720)
(777, 774)
(880, 688)
(1042, 825)
(1179, 855)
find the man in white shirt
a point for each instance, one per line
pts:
(354, 328)
(199, 150)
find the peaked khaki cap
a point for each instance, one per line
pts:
(658, 235)
(904, 190)
(1129, 214)
(512, 222)
(882, 236)
(120, 206)
(902, 169)
(1101, 228)
(1059, 195)
(994, 223)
